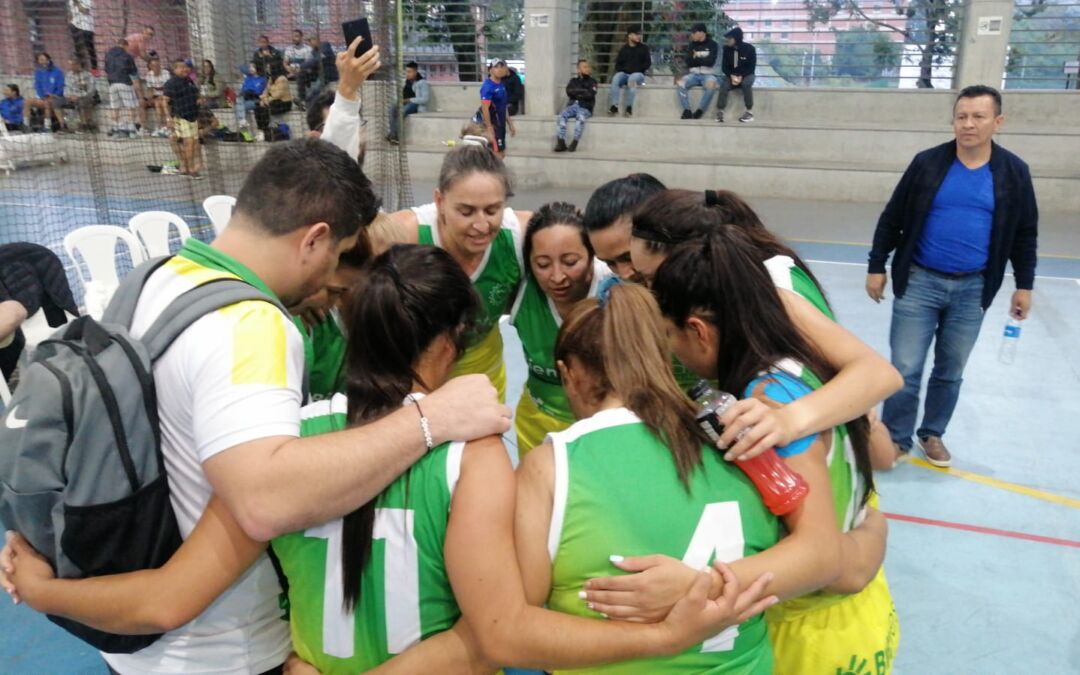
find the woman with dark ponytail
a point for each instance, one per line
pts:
(560, 271)
(726, 321)
(864, 376)
(436, 547)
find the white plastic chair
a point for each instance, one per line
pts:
(96, 246)
(36, 328)
(5, 393)
(219, 209)
(153, 229)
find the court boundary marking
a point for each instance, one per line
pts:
(1035, 493)
(979, 529)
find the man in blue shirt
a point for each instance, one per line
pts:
(961, 211)
(49, 87)
(493, 103)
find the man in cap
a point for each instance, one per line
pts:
(700, 60)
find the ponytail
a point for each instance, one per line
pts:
(623, 345)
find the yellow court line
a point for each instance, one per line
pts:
(999, 484)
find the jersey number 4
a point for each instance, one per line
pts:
(718, 536)
(401, 574)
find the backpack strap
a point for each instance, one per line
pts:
(196, 303)
(121, 308)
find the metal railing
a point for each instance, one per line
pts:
(1044, 45)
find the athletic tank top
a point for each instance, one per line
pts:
(498, 274)
(787, 275)
(848, 490)
(537, 322)
(405, 593)
(617, 492)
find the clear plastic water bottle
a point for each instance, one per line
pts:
(1010, 338)
(781, 489)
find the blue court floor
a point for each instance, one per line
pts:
(983, 560)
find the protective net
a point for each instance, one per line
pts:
(81, 146)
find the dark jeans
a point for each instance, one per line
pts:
(84, 47)
(747, 86)
(410, 109)
(948, 311)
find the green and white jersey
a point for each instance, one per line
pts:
(328, 353)
(617, 491)
(537, 321)
(789, 276)
(498, 274)
(405, 593)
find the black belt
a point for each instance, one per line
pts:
(947, 275)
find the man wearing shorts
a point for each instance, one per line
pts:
(121, 72)
(493, 103)
(182, 96)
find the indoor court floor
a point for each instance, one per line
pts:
(983, 559)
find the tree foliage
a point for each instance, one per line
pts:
(864, 53)
(932, 26)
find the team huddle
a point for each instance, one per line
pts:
(382, 526)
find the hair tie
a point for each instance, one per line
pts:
(603, 291)
(711, 198)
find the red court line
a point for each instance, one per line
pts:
(984, 530)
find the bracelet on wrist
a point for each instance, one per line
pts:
(425, 426)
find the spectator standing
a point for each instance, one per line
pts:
(49, 87)
(701, 57)
(738, 62)
(80, 94)
(138, 44)
(209, 89)
(415, 95)
(631, 64)
(959, 213)
(181, 95)
(493, 104)
(82, 32)
(251, 91)
(122, 74)
(267, 55)
(11, 107)
(582, 93)
(153, 95)
(515, 92)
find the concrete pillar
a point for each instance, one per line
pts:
(219, 36)
(983, 44)
(548, 62)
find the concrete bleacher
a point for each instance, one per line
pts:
(831, 144)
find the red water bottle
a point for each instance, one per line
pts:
(781, 489)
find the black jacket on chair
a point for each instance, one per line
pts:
(33, 276)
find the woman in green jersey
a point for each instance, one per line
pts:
(560, 271)
(637, 476)
(470, 220)
(725, 320)
(865, 378)
(423, 579)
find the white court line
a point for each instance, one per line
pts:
(85, 208)
(863, 265)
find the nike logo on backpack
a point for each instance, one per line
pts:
(13, 422)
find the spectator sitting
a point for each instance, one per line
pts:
(515, 92)
(631, 64)
(309, 71)
(738, 64)
(49, 87)
(122, 74)
(182, 97)
(266, 55)
(209, 89)
(275, 100)
(11, 108)
(152, 95)
(414, 96)
(582, 93)
(81, 94)
(700, 60)
(296, 54)
(250, 92)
